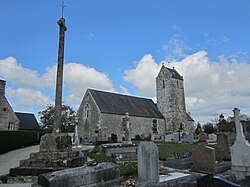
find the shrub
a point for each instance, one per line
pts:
(128, 169)
(10, 140)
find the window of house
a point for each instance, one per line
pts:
(11, 126)
(155, 126)
(4, 109)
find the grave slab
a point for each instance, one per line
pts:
(103, 174)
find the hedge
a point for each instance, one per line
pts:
(11, 140)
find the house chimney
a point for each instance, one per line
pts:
(2, 87)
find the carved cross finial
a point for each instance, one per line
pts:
(63, 6)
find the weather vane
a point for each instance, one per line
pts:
(63, 6)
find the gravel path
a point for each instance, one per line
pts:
(12, 158)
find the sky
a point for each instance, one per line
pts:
(119, 46)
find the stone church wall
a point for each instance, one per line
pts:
(87, 124)
(138, 125)
(99, 126)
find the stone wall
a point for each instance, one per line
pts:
(99, 126)
(171, 100)
(7, 115)
(139, 125)
(87, 124)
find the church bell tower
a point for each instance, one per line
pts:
(171, 98)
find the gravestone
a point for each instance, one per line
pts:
(148, 162)
(212, 137)
(202, 137)
(203, 159)
(76, 137)
(127, 129)
(223, 149)
(168, 137)
(189, 138)
(240, 151)
(179, 161)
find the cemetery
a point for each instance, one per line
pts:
(141, 163)
(163, 152)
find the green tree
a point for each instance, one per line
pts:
(209, 128)
(47, 117)
(224, 126)
(198, 128)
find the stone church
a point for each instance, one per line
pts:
(8, 118)
(103, 116)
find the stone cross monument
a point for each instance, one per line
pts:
(59, 77)
(55, 152)
(240, 151)
(127, 134)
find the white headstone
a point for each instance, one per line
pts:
(240, 151)
(189, 138)
(148, 162)
(168, 137)
(212, 136)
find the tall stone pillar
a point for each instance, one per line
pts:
(55, 152)
(59, 77)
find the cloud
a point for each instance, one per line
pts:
(176, 49)
(28, 97)
(210, 87)
(142, 77)
(79, 77)
(30, 86)
(90, 36)
(215, 41)
(124, 90)
(22, 76)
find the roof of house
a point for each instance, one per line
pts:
(27, 121)
(175, 74)
(114, 103)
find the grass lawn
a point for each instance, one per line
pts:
(167, 149)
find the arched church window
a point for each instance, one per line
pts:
(87, 111)
(163, 84)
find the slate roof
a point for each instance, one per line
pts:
(175, 74)
(113, 103)
(27, 121)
